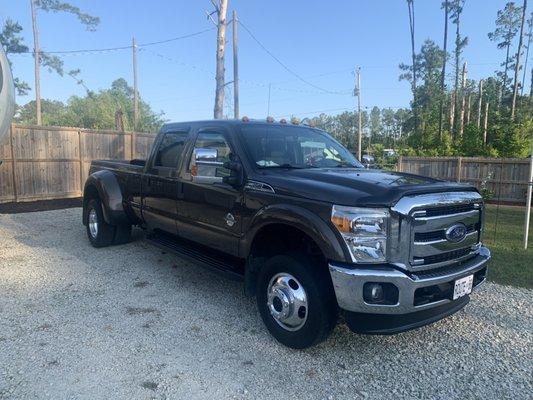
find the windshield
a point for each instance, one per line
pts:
(278, 146)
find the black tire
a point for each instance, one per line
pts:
(122, 234)
(322, 309)
(105, 233)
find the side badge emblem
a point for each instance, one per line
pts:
(230, 219)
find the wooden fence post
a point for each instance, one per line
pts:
(399, 165)
(459, 167)
(80, 154)
(13, 164)
(133, 145)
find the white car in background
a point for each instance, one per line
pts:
(7, 95)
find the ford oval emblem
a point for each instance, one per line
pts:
(456, 233)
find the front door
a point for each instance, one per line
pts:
(209, 212)
(161, 186)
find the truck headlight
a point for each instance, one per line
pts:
(364, 231)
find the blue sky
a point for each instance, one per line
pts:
(322, 41)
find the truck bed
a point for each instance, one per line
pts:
(132, 166)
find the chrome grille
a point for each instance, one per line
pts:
(418, 233)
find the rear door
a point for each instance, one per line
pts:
(160, 184)
(209, 211)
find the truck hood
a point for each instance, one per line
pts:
(354, 187)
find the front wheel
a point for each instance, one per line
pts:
(296, 300)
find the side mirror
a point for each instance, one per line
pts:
(202, 155)
(236, 176)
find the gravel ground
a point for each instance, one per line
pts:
(132, 322)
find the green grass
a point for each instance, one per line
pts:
(511, 264)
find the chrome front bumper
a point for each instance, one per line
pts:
(348, 284)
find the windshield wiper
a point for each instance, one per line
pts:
(344, 164)
(284, 166)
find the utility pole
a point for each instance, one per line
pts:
(221, 10)
(37, 59)
(463, 99)
(359, 120)
(235, 67)
(517, 66)
(135, 86)
(485, 122)
(479, 103)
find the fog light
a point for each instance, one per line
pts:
(373, 293)
(380, 293)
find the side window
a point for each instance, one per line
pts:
(211, 150)
(170, 150)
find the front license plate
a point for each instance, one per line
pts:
(463, 286)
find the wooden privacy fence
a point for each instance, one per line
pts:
(506, 179)
(41, 162)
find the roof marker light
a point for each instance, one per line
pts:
(295, 121)
(270, 119)
(283, 121)
(245, 119)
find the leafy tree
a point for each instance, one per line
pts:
(13, 43)
(446, 6)
(54, 113)
(456, 9)
(51, 61)
(411, 9)
(95, 110)
(507, 26)
(55, 6)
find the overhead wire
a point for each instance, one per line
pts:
(289, 70)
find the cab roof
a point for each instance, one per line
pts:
(168, 127)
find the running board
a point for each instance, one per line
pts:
(219, 263)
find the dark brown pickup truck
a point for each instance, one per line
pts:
(288, 210)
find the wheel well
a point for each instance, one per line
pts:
(90, 193)
(276, 239)
(281, 238)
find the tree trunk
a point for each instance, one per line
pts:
(485, 123)
(468, 107)
(457, 61)
(463, 100)
(443, 73)
(411, 8)
(529, 39)
(221, 47)
(37, 59)
(479, 103)
(517, 66)
(505, 70)
(452, 110)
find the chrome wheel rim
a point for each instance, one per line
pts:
(93, 223)
(287, 301)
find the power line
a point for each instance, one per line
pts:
(292, 72)
(117, 48)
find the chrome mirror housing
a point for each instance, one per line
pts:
(202, 155)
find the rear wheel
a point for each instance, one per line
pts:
(296, 300)
(100, 233)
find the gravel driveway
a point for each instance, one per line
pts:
(132, 322)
